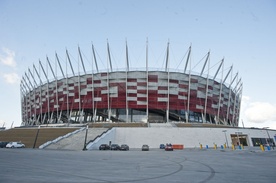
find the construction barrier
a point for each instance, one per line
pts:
(178, 146)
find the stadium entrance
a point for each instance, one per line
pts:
(239, 139)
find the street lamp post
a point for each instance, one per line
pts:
(36, 136)
(238, 138)
(226, 137)
(84, 146)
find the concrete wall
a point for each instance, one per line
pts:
(104, 139)
(189, 137)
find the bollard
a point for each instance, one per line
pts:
(224, 145)
(221, 146)
(262, 147)
(215, 146)
(206, 146)
(200, 146)
(239, 147)
(233, 147)
(242, 147)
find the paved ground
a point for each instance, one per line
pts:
(188, 165)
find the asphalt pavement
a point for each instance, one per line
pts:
(156, 165)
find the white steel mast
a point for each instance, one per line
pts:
(67, 93)
(79, 113)
(57, 106)
(240, 98)
(127, 69)
(30, 101)
(229, 98)
(207, 85)
(48, 104)
(93, 89)
(234, 107)
(168, 80)
(63, 77)
(216, 120)
(230, 71)
(220, 91)
(108, 92)
(81, 102)
(189, 86)
(147, 112)
(35, 83)
(40, 93)
(54, 78)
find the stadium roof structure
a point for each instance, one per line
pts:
(129, 95)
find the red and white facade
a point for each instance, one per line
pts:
(130, 96)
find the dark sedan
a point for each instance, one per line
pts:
(104, 147)
(124, 147)
(114, 147)
(3, 144)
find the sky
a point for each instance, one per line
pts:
(241, 32)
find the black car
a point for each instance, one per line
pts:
(114, 147)
(124, 147)
(104, 147)
(3, 144)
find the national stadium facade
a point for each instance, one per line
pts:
(129, 95)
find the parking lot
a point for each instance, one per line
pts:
(156, 165)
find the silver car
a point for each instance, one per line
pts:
(145, 147)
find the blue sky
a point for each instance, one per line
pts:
(241, 32)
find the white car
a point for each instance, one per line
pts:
(15, 145)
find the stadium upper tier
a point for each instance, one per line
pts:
(142, 95)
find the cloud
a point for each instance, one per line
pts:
(260, 112)
(11, 78)
(8, 57)
(1, 123)
(245, 101)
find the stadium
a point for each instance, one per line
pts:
(128, 95)
(67, 101)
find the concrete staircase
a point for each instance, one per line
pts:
(76, 141)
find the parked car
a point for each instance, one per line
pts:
(124, 147)
(169, 147)
(162, 146)
(145, 147)
(114, 147)
(3, 144)
(104, 147)
(15, 145)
